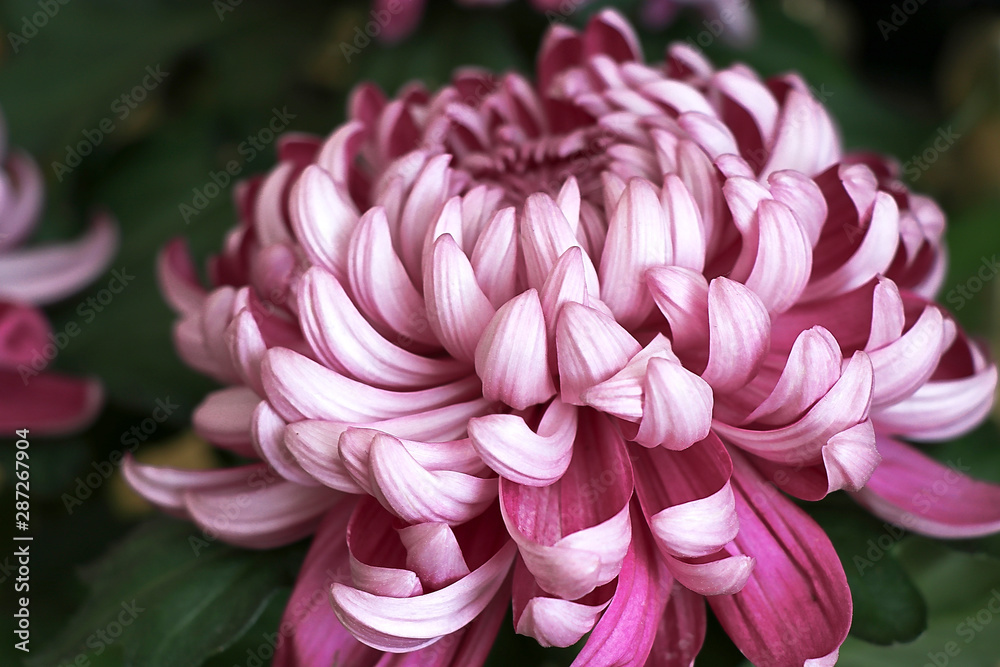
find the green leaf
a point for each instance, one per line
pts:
(888, 608)
(168, 595)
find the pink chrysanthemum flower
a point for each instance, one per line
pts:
(560, 344)
(731, 20)
(46, 403)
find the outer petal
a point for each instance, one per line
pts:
(316, 636)
(681, 631)
(796, 606)
(49, 404)
(917, 492)
(46, 274)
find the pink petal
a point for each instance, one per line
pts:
(223, 418)
(610, 34)
(418, 495)
(682, 296)
(380, 286)
(423, 205)
(299, 388)
(494, 258)
(323, 217)
(784, 258)
(796, 606)
(404, 624)
(590, 348)
(677, 406)
(512, 357)
(268, 431)
(803, 120)
(915, 491)
(433, 553)
(740, 334)
(638, 239)
(344, 339)
(802, 442)
(458, 310)
(43, 275)
(545, 235)
(687, 498)
(687, 231)
(580, 539)
(515, 452)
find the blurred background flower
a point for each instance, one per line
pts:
(171, 107)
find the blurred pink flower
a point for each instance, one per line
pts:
(46, 403)
(731, 20)
(561, 344)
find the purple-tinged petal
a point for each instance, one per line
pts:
(608, 33)
(676, 406)
(682, 296)
(178, 278)
(784, 257)
(267, 429)
(687, 231)
(434, 554)
(423, 205)
(681, 630)
(545, 235)
(494, 258)
(49, 404)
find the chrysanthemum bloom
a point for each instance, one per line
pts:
(47, 403)
(569, 344)
(730, 20)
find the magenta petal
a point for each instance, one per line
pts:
(687, 498)
(915, 491)
(796, 605)
(316, 636)
(844, 406)
(681, 631)
(515, 452)
(627, 629)
(49, 404)
(580, 539)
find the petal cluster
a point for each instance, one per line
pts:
(570, 345)
(31, 277)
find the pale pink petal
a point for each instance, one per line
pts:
(458, 310)
(512, 357)
(590, 348)
(323, 217)
(515, 452)
(178, 278)
(223, 418)
(739, 334)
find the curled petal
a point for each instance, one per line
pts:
(515, 452)
(676, 406)
(323, 217)
(458, 310)
(224, 418)
(740, 335)
(590, 348)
